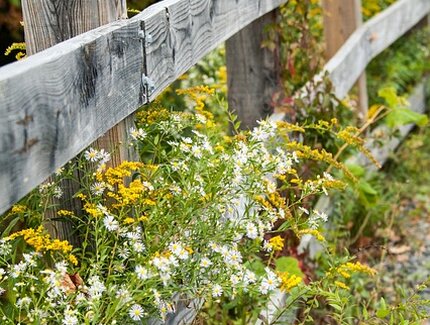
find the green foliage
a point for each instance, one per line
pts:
(400, 66)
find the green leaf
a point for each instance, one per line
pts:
(288, 264)
(402, 116)
(365, 313)
(389, 94)
(382, 313)
(356, 170)
(335, 306)
(257, 267)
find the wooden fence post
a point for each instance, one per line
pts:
(341, 19)
(252, 72)
(46, 23)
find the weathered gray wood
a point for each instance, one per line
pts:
(55, 103)
(58, 101)
(341, 19)
(184, 31)
(186, 312)
(252, 72)
(46, 23)
(371, 39)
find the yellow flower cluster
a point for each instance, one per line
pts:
(276, 243)
(18, 208)
(198, 94)
(16, 47)
(92, 210)
(312, 232)
(349, 135)
(65, 213)
(289, 127)
(41, 241)
(116, 175)
(130, 194)
(341, 285)
(289, 281)
(346, 269)
(333, 184)
(152, 116)
(306, 152)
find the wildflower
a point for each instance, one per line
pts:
(251, 231)
(312, 232)
(216, 291)
(321, 215)
(138, 247)
(341, 285)
(110, 223)
(289, 281)
(18, 208)
(136, 312)
(141, 272)
(103, 156)
(123, 294)
(197, 151)
(91, 155)
(269, 283)
(23, 302)
(73, 259)
(97, 287)
(137, 134)
(277, 243)
(70, 320)
(2, 291)
(249, 277)
(98, 188)
(183, 254)
(176, 248)
(205, 262)
(305, 211)
(346, 269)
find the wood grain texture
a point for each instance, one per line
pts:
(252, 73)
(46, 23)
(341, 19)
(57, 102)
(184, 31)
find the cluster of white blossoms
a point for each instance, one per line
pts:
(197, 221)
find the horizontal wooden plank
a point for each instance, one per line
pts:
(55, 103)
(185, 31)
(371, 39)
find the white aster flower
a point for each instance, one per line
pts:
(216, 291)
(98, 188)
(110, 223)
(136, 312)
(205, 262)
(251, 231)
(138, 247)
(91, 155)
(137, 134)
(142, 273)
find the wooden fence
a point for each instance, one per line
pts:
(56, 102)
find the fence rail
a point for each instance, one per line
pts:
(56, 102)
